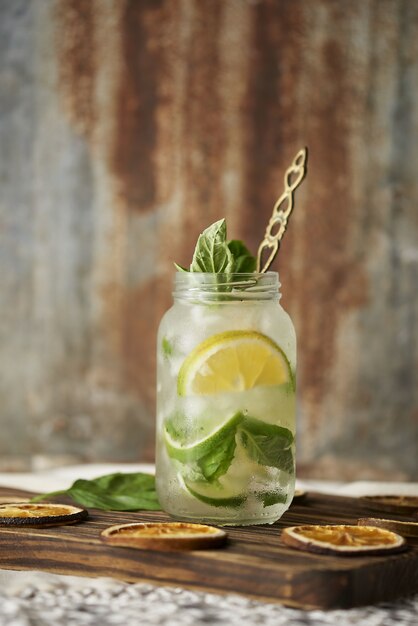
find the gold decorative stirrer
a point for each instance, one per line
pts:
(277, 225)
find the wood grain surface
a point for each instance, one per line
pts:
(254, 563)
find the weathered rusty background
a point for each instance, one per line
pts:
(126, 127)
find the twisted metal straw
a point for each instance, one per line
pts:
(277, 225)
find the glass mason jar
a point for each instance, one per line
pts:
(226, 362)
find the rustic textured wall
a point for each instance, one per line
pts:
(126, 126)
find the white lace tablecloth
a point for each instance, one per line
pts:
(37, 598)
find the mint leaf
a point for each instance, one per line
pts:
(180, 268)
(211, 457)
(267, 444)
(268, 498)
(216, 255)
(113, 492)
(211, 454)
(167, 347)
(125, 483)
(216, 462)
(244, 261)
(212, 253)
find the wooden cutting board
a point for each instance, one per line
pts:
(254, 563)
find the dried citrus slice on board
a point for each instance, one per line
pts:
(408, 529)
(343, 540)
(232, 361)
(395, 504)
(45, 514)
(164, 536)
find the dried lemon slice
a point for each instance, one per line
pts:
(164, 536)
(45, 514)
(343, 540)
(395, 504)
(408, 529)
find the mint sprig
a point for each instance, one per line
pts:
(167, 347)
(216, 255)
(212, 253)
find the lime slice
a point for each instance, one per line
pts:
(236, 360)
(192, 451)
(214, 495)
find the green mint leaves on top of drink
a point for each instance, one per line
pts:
(215, 254)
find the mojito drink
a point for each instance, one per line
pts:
(226, 401)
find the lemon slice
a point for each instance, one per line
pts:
(195, 450)
(232, 361)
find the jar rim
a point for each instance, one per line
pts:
(252, 274)
(206, 286)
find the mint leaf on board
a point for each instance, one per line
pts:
(267, 444)
(216, 462)
(113, 492)
(244, 261)
(212, 253)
